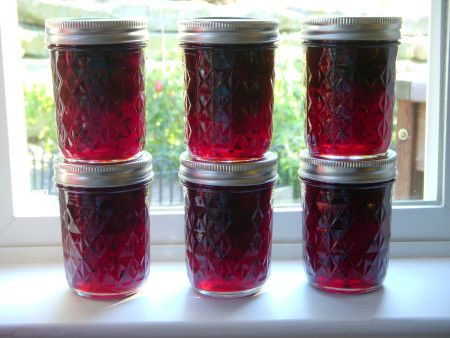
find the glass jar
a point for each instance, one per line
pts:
(105, 225)
(347, 221)
(350, 79)
(229, 78)
(98, 85)
(228, 216)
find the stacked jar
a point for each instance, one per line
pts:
(227, 171)
(348, 171)
(103, 176)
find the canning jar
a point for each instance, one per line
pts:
(347, 221)
(228, 216)
(105, 225)
(98, 84)
(350, 79)
(229, 79)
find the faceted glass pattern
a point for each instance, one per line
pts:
(100, 100)
(350, 97)
(346, 231)
(228, 100)
(106, 240)
(228, 237)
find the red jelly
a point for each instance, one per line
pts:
(350, 77)
(98, 81)
(105, 226)
(229, 78)
(346, 222)
(228, 214)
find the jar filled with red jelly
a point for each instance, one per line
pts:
(347, 221)
(350, 79)
(105, 226)
(229, 79)
(228, 216)
(98, 84)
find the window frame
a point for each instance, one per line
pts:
(421, 222)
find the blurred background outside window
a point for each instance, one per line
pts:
(164, 84)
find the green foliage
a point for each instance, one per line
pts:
(289, 113)
(165, 106)
(40, 117)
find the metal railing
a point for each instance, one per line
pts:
(166, 188)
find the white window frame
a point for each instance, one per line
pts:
(418, 228)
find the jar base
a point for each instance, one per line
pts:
(105, 296)
(229, 295)
(345, 291)
(351, 157)
(225, 159)
(111, 161)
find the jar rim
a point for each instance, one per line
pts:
(352, 28)
(347, 171)
(227, 30)
(104, 175)
(95, 31)
(227, 173)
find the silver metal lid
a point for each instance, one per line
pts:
(88, 175)
(348, 171)
(353, 28)
(95, 31)
(227, 30)
(228, 173)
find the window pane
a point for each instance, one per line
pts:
(164, 85)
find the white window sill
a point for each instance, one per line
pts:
(36, 301)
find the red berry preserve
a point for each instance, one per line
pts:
(98, 82)
(105, 225)
(350, 79)
(228, 215)
(229, 78)
(347, 221)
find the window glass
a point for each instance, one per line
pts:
(164, 84)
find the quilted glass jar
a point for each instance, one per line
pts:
(98, 84)
(105, 225)
(347, 221)
(350, 79)
(228, 216)
(229, 78)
